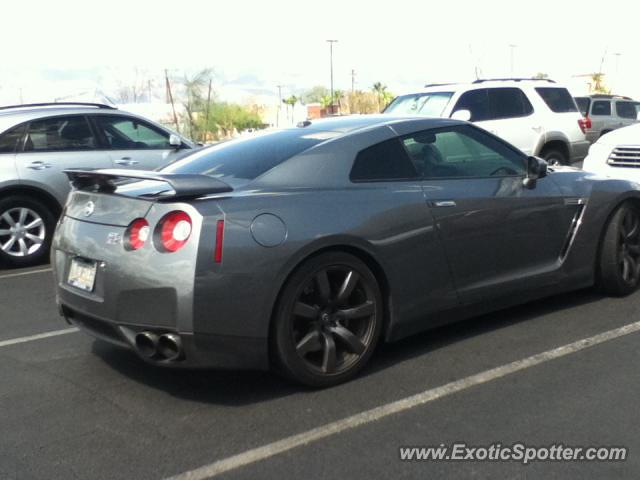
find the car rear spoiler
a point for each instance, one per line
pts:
(184, 185)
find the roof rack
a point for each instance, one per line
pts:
(56, 104)
(438, 84)
(481, 80)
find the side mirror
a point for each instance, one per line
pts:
(536, 168)
(464, 115)
(175, 141)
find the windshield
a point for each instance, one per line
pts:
(243, 159)
(430, 104)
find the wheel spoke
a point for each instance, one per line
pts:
(9, 219)
(364, 310)
(329, 357)
(36, 223)
(324, 289)
(23, 216)
(23, 247)
(309, 343)
(353, 343)
(346, 289)
(632, 267)
(305, 310)
(631, 225)
(34, 238)
(8, 245)
(5, 232)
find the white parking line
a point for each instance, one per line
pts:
(261, 453)
(39, 336)
(30, 272)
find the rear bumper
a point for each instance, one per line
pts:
(198, 350)
(579, 150)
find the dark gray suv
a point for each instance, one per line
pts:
(39, 141)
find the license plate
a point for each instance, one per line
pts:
(82, 274)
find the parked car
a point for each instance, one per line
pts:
(538, 116)
(303, 248)
(606, 113)
(616, 154)
(39, 141)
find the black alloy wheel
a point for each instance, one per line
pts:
(329, 320)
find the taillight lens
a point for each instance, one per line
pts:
(174, 231)
(136, 234)
(217, 256)
(585, 124)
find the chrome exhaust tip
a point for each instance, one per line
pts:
(170, 346)
(147, 344)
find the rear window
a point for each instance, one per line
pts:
(244, 159)
(385, 161)
(559, 100)
(583, 105)
(9, 140)
(430, 104)
(601, 107)
(626, 110)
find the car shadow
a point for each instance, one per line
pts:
(237, 388)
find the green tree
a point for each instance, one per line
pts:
(315, 94)
(379, 89)
(290, 102)
(597, 84)
(194, 98)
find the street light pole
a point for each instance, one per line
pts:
(331, 42)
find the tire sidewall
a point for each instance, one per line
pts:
(285, 356)
(49, 223)
(552, 154)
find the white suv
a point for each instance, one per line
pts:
(616, 154)
(537, 116)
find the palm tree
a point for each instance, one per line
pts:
(338, 95)
(597, 83)
(380, 90)
(290, 101)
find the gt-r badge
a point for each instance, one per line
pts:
(114, 238)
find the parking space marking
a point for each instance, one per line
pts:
(30, 272)
(261, 453)
(39, 336)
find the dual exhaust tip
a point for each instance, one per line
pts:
(167, 346)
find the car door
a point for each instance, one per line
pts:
(601, 116)
(53, 144)
(499, 236)
(133, 143)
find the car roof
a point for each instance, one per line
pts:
(18, 115)
(353, 123)
(481, 83)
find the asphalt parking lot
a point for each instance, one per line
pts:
(72, 407)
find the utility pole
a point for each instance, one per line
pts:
(279, 105)
(513, 48)
(331, 42)
(170, 95)
(353, 80)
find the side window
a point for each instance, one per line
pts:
(601, 107)
(558, 99)
(509, 103)
(384, 161)
(583, 105)
(462, 152)
(122, 133)
(626, 110)
(58, 134)
(9, 140)
(477, 102)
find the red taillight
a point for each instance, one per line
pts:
(137, 234)
(217, 257)
(174, 231)
(585, 124)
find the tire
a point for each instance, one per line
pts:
(327, 321)
(618, 272)
(20, 246)
(554, 156)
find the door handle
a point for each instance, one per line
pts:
(443, 203)
(126, 161)
(38, 165)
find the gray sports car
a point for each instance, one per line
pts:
(303, 248)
